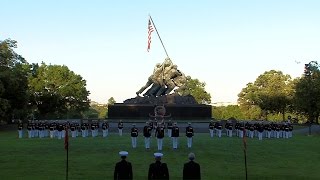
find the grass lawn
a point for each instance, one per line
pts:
(94, 158)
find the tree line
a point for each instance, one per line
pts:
(275, 96)
(31, 90)
(42, 91)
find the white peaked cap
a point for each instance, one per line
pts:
(158, 154)
(123, 153)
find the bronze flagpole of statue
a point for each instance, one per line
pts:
(162, 46)
(158, 35)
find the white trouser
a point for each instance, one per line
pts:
(120, 132)
(269, 134)
(147, 142)
(219, 133)
(104, 133)
(260, 135)
(73, 134)
(51, 134)
(189, 142)
(169, 132)
(251, 134)
(175, 142)
(20, 133)
(159, 143)
(134, 142)
(241, 134)
(286, 134)
(211, 132)
(29, 133)
(59, 134)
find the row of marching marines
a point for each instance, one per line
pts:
(252, 129)
(57, 129)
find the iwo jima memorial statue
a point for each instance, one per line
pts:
(162, 95)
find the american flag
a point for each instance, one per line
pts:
(150, 30)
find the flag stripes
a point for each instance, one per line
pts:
(150, 30)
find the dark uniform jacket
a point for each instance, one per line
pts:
(169, 125)
(211, 125)
(134, 132)
(159, 132)
(20, 126)
(189, 131)
(147, 131)
(191, 170)
(158, 170)
(120, 125)
(123, 170)
(175, 131)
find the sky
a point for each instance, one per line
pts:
(225, 44)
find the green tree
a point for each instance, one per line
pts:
(307, 92)
(197, 89)
(91, 113)
(57, 91)
(272, 92)
(226, 112)
(13, 82)
(111, 101)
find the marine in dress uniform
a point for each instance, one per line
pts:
(93, 129)
(211, 128)
(191, 169)
(158, 170)
(20, 129)
(169, 127)
(73, 130)
(218, 127)
(260, 131)
(175, 135)
(290, 130)
(147, 134)
(29, 128)
(251, 130)
(229, 128)
(105, 129)
(134, 135)
(83, 129)
(120, 127)
(189, 134)
(123, 169)
(286, 131)
(241, 130)
(159, 134)
(60, 129)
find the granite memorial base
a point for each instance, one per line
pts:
(175, 111)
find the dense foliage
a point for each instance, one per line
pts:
(33, 91)
(196, 88)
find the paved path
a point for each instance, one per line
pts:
(315, 129)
